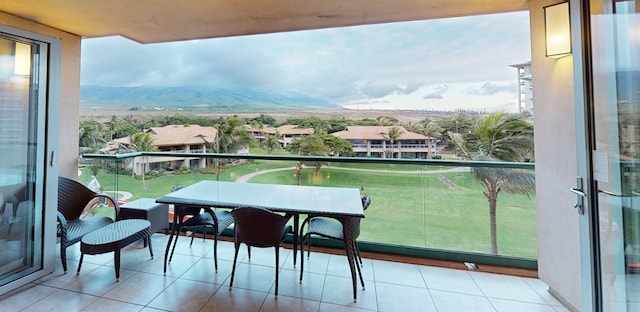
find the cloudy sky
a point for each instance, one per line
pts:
(446, 64)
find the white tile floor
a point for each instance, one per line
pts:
(191, 284)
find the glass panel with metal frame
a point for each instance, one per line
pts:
(425, 208)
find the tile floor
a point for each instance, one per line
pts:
(191, 284)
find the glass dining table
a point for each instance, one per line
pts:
(342, 204)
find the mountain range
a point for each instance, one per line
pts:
(199, 98)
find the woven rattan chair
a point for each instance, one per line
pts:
(200, 217)
(73, 198)
(332, 229)
(258, 227)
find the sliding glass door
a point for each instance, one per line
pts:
(612, 114)
(23, 162)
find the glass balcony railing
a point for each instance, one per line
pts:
(426, 208)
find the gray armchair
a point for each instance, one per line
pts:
(73, 198)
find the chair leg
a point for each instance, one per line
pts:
(308, 246)
(233, 270)
(278, 268)
(302, 238)
(215, 245)
(193, 235)
(147, 241)
(175, 242)
(63, 256)
(80, 264)
(249, 252)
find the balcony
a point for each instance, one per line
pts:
(427, 225)
(421, 208)
(192, 285)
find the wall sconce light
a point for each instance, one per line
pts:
(557, 30)
(22, 57)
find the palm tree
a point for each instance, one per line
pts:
(141, 142)
(230, 138)
(433, 130)
(413, 126)
(501, 137)
(393, 134)
(91, 138)
(383, 121)
(271, 143)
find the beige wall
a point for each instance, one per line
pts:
(556, 170)
(69, 90)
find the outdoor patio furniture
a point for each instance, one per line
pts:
(332, 229)
(73, 199)
(114, 237)
(147, 209)
(338, 203)
(190, 211)
(261, 228)
(218, 220)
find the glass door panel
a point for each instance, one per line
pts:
(615, 38)
(21, 168)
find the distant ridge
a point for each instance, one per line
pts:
(196, 98)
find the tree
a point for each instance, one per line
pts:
(433, 130)
(91, 137)
(271, 144)
(311, 145)
(320, 144)
(413, 126)
(230, 138)
(394, 134)
(141, 142)
(386, 121)
(501, 137)
(461, 123)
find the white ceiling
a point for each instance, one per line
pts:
(150, 21)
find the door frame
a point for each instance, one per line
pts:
(49, 103)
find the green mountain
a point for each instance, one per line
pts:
(196, 98)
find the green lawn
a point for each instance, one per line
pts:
(420, 210)
(443, 210)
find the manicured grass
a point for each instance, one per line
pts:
(420, 210)
(443, 210)
(392, 167)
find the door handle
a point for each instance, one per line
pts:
(580, 194)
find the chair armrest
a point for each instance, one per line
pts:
(113, 201)
(63, 224)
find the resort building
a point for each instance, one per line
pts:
(284, 133)
(171, 138)
(374, 141)
(525, 87)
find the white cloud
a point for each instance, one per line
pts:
(342, 65)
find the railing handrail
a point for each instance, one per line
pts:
(370, 160)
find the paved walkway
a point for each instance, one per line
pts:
(245, 178)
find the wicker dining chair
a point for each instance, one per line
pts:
(332, 229)
(73, 199)
(257, 227)
(200, 217)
